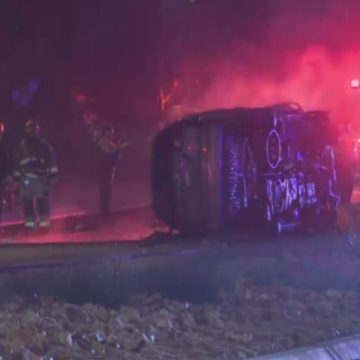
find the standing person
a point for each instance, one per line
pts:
(104, 154)
(5, 164)
(108, 153)
(34, 167)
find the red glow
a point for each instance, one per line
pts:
(80, 98)
(165, 99)
(355, 83)
(315, 78)
(132, 225)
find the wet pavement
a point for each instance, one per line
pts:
(74, 220)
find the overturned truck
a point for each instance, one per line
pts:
(245, 167)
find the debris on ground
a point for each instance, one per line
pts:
(247, 321)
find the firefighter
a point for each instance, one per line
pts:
(35, 168)
(108, 153)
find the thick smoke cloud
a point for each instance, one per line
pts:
(316, 79)
(308, 53)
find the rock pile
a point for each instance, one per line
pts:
(249, 320)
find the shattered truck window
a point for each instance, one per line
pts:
(179, 179)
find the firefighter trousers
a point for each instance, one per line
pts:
(34, 194)
(106, 180)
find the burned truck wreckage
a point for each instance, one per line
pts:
(246, 167)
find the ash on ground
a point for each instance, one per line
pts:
(248, 321)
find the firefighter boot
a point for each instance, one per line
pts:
(29, 213)
(43, 208)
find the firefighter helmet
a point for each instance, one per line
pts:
(32, 128)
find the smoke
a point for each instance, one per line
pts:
(316, 78)
(308, 54)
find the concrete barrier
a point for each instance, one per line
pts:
(340, 349)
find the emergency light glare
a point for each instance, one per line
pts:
(355, 83)
(80, 98)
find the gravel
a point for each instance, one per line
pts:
(246, 321)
